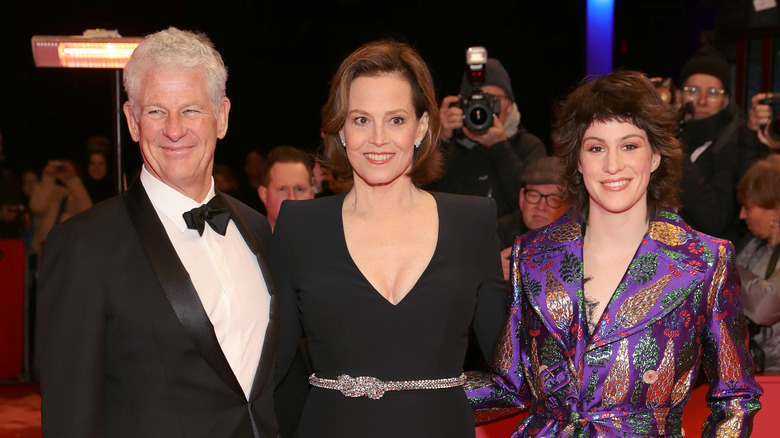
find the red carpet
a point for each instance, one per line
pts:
(20, 410)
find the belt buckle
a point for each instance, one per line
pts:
(554, 377)
(359, 386)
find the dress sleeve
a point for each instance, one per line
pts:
(280, 256)
(505, 386)
(733, 393)
(491, 298)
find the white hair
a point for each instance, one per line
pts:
(176, 49)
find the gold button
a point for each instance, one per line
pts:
(650, 377)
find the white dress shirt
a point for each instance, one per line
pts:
(226, 275)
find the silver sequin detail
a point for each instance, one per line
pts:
(374, 388)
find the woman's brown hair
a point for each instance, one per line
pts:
(622, 96)
(374, 59)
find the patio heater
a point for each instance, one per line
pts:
(95, 48)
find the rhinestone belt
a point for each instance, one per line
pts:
(374, 388)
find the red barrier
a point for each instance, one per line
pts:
(12, 260)
(501, 428)
(767, 422)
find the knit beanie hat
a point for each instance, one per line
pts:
(709, 61)
(495, 74)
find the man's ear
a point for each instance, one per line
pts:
(522, 198)
(222, 118)
(132, 124)
(262, 192)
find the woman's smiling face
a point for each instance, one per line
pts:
(381, 128)
(616, 161)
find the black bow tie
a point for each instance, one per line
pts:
(215, 212)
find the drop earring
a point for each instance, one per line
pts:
(417, 144)
(343, 143)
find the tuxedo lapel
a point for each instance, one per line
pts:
(264, 367)
(176, 283)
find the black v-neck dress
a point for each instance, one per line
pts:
(352, 329)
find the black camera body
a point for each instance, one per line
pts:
(478, 107)
(478, 110)
(773, 100)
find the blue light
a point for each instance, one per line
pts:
(599, 33)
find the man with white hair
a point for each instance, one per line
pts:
(157, 317)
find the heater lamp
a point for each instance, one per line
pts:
(94, 49)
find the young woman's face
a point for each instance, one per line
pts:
(616, 161)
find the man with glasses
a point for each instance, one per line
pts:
(541, 203)
(487, 164)
(716, 147)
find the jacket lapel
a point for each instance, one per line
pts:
(552, 280)
(175, 282)
(265, 366)
(669, 265)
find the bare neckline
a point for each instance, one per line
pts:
(422, 274)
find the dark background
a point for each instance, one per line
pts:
(281, 55)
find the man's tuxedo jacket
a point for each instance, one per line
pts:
(126, 347)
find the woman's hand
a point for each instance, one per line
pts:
(506, 261)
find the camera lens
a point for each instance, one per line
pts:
(774, 129)
(478, 116)
(478, 111)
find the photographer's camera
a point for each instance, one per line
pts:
(773, 100)
(478, 107)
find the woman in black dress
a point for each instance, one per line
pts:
(386, 279)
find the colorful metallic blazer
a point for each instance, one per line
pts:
(677, 306)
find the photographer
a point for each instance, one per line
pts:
(717, 147)
(60, 195)
(489, 163)
(760, 117)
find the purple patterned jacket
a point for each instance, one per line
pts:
(677, 306)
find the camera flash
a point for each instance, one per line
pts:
(476, 55)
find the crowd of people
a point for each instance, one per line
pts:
(593, 284)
